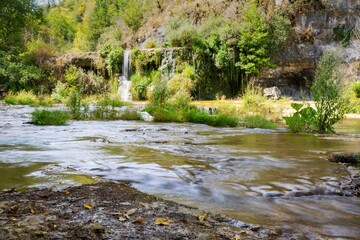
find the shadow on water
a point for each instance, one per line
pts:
(256, 176)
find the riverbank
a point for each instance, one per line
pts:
(109, 210)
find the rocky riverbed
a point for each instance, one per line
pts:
(109, 210)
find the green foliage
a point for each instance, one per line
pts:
(181, 33)
(45, 117)
(75, 104)
(88, 82)
(303, 120)
(27, 98)
(326, 91)
(160, 92)
(114, 61)
(258, 121)
(14, 16)
(343, 35)
(216, 120)
(253, 99)
(130, 115)
(254, 43)
(279, 32)
(165, 113)
(356, 89)
(61, 30)
(133, 13)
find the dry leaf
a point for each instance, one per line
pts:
(66, 192)
(88, 206)
(138, 220)
(14, 208)
(13, 219)
(122, 219)
(202, 217)
(131, 212)
(163, 221)
(32, 211)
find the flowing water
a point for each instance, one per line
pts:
(125, 81)
(257, 176)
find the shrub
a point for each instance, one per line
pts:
(303, 120)
(326, 91)
(356, 89)
(74, 103)
(166, 113)
(45, 117)
(139, 86)
(216, 120)
(114, 60)
(258, 121)
(253, 99)
(130, 114)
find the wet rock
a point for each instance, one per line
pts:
(351, 158)
(146, 117)
(273, 93)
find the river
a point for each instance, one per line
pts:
(266, 177)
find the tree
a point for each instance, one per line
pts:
(327, 93)
(13, 18)
(254, 43)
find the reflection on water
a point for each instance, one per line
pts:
(256, 176)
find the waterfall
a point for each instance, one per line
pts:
(125, 81)
(168, 64)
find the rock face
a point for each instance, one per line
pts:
(313, 33)
(273, 93)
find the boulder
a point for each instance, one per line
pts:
(351, 158)
(273, 93)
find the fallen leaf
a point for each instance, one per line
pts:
(13, 219)
(66, 192)
(202, 217)
(138, 220)
(14, 208)
(163, 221)
(88, 206)
(131, 212)
(122, 219)
(32, 211)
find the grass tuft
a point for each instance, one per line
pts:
(46, 117)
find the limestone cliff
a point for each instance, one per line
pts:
(314, 31)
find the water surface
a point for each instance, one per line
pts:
(256, 176)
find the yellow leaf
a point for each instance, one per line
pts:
(88, 206)
(32, 211)
(66, 192)
(163, 221)
(202, 217)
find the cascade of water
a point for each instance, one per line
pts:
(125, 83)
(168, 64)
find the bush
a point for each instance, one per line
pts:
(139, 86)
(216, 120)
(326, 91)
(253, 99)
(258, 121)
(356, 89)
(303, 120)
(130, 114)
(166, 113)
(45, 117)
